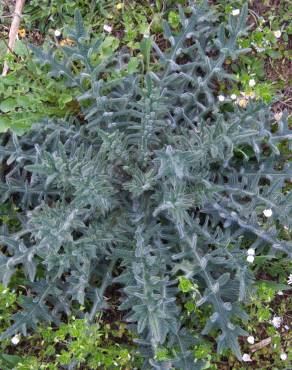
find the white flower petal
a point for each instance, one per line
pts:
(233, 96)
(251, 252)
(283, 356)
(16, 339)
(58, 33)
(252, 83)
(235, 12)
(277, 34)
(246, 357)
(276, 321)
(221, 98)
(107, 28)
(267, 212)
(250, 258)
(250, 339)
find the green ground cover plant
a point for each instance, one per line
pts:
(74, 343)
(167, 191)
(27, 96)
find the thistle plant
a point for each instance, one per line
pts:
(158, 179)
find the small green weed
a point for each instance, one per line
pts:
(76, 343)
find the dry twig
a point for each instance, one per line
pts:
(13, 31)
(261, 344)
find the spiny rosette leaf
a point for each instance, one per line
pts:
(157, 179)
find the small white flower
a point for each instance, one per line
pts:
(58, 33)
(280, 292)
(233, 96)
(250, 258)
(107, 28)
(267, 212)
(283, 356)
(246, 358)
(277, 34)
(278, 116)
(289, 281)
(250, 339)
(251, 252)
(16, 339)
(221, 98)
(235, 12)
(252, 83)
(276, 322)
(286, 327)
(259, 50)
